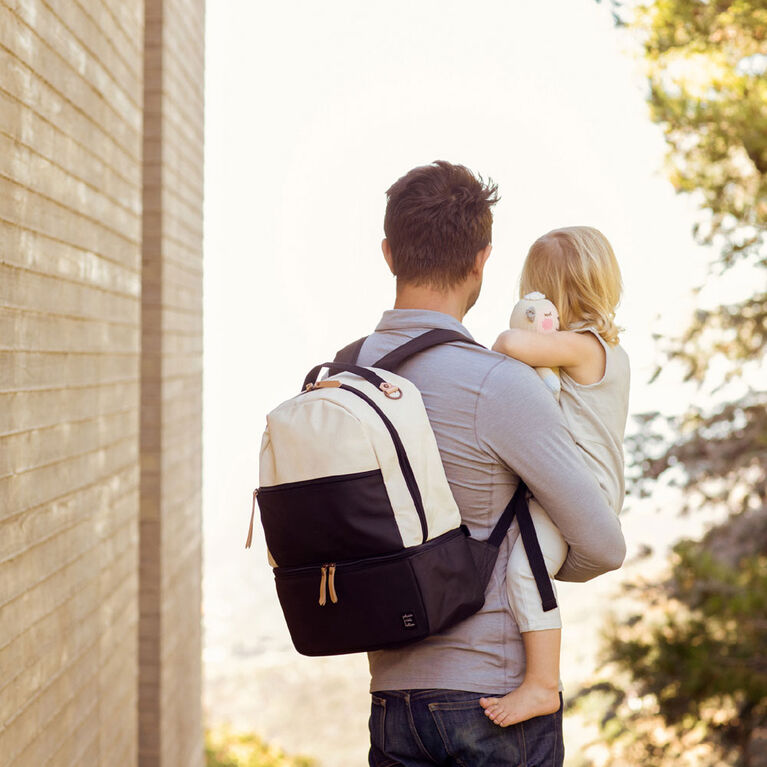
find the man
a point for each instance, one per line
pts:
(494, 422)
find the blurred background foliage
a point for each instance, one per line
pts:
(688, 670)
(227, 748)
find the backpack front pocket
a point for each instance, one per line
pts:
(344, 607)
(329, 519)
(370, 605)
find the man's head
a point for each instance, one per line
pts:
(438, 222)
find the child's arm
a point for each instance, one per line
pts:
(579, 354)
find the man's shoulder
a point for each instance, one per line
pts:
(502, 373)
(494, 373)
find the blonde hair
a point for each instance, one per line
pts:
(576, 269)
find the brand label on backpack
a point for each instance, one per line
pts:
(408, 620)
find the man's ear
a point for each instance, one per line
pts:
(387, 254)
(482, 256)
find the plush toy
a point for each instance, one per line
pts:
(535, 312)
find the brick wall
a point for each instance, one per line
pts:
(75, 476)
(171, 535)
(70, 238)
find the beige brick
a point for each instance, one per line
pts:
(27, 370)
(27, 286)
(96, 31)
(31, 89)
(36, 173)
(68, 69)
(170, 490)
(100, 381)
(37, 134)
(24, 528)
(73, 743)
(52, 658)
(39, 213)
(52, 695)
(40, 562)
(38, 409)
(38, 448)
(44, 596)
(25, 330)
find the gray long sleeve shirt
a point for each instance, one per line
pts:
(494, 421)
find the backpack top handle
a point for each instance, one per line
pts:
(310, 382)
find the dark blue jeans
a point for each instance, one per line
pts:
(448, 728)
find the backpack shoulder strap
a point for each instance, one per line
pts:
(512, 510)
(418, 344)
(517, 507)
(348, 355)
(535, 557)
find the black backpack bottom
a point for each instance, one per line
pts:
(383, 602)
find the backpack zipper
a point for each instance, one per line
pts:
(352, 564)
(328, 584)
(317, 481)
(323, 585)
(252, 515)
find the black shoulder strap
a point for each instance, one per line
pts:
(503, 524)
(348, 355)
(426, 340)
(517, 507)
(535, 557)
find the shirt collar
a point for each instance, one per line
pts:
(419, 319)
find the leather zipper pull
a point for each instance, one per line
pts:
(252, 514)
(323, 585)
(332, 583)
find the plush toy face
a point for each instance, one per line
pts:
(535, 312)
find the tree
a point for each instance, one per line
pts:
(694, 657)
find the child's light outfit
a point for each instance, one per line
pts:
(595, 415)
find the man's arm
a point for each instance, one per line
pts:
(519, 422)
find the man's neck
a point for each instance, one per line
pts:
(427, 298)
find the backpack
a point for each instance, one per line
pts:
(361, 526)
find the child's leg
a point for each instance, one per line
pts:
(539, 692)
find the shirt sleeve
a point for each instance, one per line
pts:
(519, 422)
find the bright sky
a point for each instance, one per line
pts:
(313, 110)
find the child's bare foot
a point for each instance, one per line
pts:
(527, 701)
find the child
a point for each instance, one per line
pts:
(576, 269)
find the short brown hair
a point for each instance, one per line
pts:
(438, 217)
